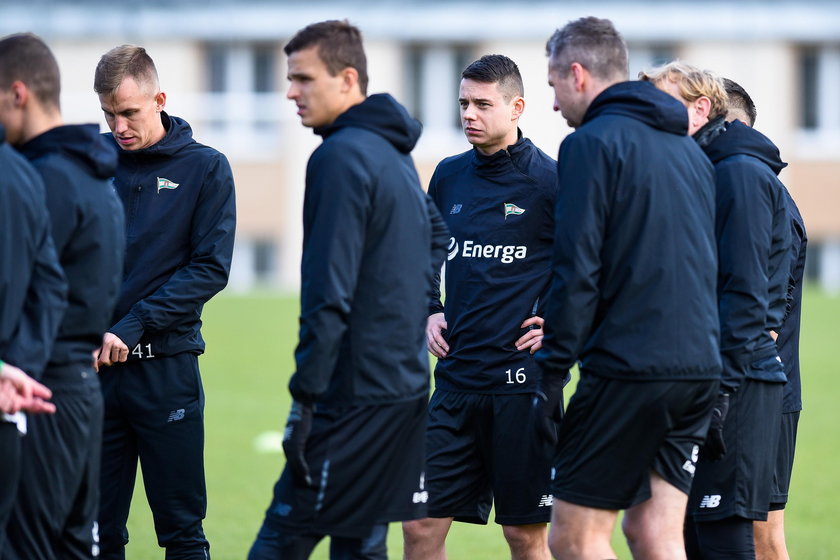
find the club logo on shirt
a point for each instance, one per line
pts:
(456, 209)
(163, 183)
(513, 209)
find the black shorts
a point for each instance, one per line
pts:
(784, 461)
(739, 483)
(617, 431)
(480, 450)
(367, 466)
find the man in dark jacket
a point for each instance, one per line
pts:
(354, 440)
(734, 476)
(33, 296)
(58, 497)
(498, 201)
(770, 535)
(632, 299)
(180, 221)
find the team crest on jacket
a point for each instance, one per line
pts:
(511, 208)
(163, 183)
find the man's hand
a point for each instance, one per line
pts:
(714, 447)
(533, 338)
(18, 391)
(547, 406)
(297, 431)
(113, 349)
(435, 342)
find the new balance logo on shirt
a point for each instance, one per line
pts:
(710, 502)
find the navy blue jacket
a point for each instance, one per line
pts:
(367, 265)
(76, 164)
(180, 219)
(788, 340)
(753, 237)
(33, 290)
(633, 286)
(500, 213)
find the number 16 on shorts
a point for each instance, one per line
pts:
(516, 377)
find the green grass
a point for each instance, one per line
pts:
(250, 341)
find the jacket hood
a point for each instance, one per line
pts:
(83, 142)
(741, 139)
(643, 102)
(178, 135)
(383, 115)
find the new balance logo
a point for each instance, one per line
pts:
(710, 502)
(456, 209)
(545, 501)
(420, 497)
(176, 415)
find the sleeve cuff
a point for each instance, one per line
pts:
(129, 329)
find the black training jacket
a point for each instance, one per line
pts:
(369, 252)
(500, 213)
(633, 285)
(76, 163)
(33, 290)
(753, 233)
(788, 341)
(180, 218)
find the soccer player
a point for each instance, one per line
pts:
(498, 201)
(734, 475)
(58, 496)
(632, 299)
(354, 439)
(33, 296)
(770, 535)
(180, 221)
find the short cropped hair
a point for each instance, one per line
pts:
(25, 57)
(339, 47)
(125, 61)
(739, 99)
(497, 69)
(693, 84)
(593, 43)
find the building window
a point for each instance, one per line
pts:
(819, 81)
(809, 78)
(433, 74)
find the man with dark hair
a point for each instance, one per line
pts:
(732, 485)
(498, 201)
(33, 296)
(741, 106)
(632, 300)
(179, 241)
(354, 438)
(769, 535)
(58, 496)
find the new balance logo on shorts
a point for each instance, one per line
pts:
(176, 415)
(545, 501)
(690, 464)
(710, 502)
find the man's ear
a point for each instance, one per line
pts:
(580, 74)
(20, 94)
(518, 107)
(349, 79)
(160, 101)
(702, 107)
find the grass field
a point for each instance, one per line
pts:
(250, 341)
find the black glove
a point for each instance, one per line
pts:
(297, 431)
(547, 406)
(714, 447)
